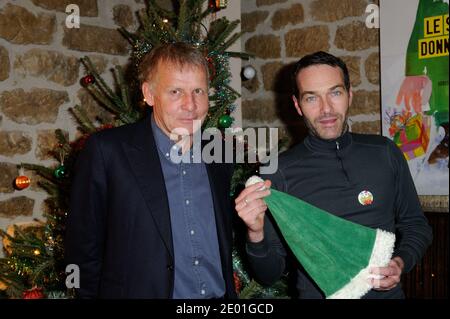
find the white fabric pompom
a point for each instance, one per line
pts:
(253, 180)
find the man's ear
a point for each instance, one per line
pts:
(297, 105)
(147, 93)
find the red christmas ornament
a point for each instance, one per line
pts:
(237, 282)
(88, 80)
(33, 293)
(212, 5)
(105, 127)
(78, 144)
(211, 68)
(22, 182)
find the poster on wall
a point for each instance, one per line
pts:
(414, 58)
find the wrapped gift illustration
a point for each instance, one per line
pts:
(411, 133)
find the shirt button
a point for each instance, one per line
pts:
(167, 154)
(187, 201)
(202, 292)
(196, 262)
(184, 172)
(192, 232)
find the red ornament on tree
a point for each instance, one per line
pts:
(22, 182)
(216, 5)
(237, 282)
(33, 293)
(105, 127)
(212, 4)
(78, 144)
(211, 68)
(87, 80)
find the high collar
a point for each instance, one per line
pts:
(317, 144)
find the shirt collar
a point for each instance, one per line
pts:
(320, 145)
(163, 142)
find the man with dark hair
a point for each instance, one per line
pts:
(362, 178)
(141, 225)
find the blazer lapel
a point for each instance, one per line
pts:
(144, 160)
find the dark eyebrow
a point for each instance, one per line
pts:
(306, 92)
(337, 86)
(330, 89)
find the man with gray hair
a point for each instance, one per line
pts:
(140, 225)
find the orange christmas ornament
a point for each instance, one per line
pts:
(22, 182)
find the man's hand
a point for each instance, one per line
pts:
(415, 90)
(251, 208)
(391, 275)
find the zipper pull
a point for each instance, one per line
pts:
(337, 145)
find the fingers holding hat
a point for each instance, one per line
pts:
(251, 207)
(252, 193)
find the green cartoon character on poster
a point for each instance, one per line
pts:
(425, 83)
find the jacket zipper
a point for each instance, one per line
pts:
(342, 163)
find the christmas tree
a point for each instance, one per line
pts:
(33, 266)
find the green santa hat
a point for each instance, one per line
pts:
(335, 252)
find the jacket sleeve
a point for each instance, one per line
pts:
(267, 258)
(414, 234)
(86, 218)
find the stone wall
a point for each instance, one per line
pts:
(39, 81)
(279, 32)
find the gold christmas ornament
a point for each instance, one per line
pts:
(22, 182)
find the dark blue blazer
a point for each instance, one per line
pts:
(118, 228)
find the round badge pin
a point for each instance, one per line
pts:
(365, 198)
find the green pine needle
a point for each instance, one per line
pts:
(80, 115)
